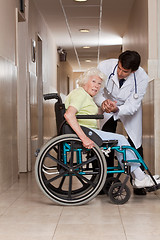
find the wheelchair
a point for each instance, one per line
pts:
(70, 174)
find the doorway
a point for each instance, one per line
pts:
(22, 86)
(39, 91)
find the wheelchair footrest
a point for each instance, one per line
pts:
(153, 188)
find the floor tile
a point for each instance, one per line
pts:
(27, 214)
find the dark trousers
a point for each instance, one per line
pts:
(110, 126)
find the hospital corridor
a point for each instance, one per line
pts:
(52, 185)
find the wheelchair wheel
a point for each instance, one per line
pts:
(108, 183)
(118, 196)
(68, 173)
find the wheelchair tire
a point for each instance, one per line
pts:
(118, 197)
(108, 183)
(72, 177)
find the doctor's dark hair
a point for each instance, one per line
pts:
(130, 60)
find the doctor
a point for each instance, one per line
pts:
(121, 98)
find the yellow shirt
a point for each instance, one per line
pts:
(83, 102)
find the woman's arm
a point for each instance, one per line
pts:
(100, 111)
(70, 116)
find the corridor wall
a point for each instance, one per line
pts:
(141, 35)
(12, 83)
(8, 96)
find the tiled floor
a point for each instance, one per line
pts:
(26, 214)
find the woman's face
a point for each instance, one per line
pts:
(93, 85)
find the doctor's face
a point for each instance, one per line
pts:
(122, 72)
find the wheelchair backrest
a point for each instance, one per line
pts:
(60, 120)
(59, 110)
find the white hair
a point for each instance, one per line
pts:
(83, 79)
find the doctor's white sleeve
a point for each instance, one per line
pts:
(99, 98)
(131, 105)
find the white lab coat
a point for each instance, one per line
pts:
(130, 109)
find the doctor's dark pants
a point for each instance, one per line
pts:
(110, 126)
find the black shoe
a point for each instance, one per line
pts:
(139, 191)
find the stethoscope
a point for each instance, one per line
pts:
(135, 95)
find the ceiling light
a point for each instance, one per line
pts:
(84, 30)
(88, 60)
(80, 0)
(86, 47)
(110, 40)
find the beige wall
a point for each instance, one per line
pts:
(136, 36)
(8, 123)
(65, 78)
(50, 61)
(37, 27)
(154, 84)
(141, 36)
(157, 98)
(75, 77)
(18, 85)
(8, 95)
(7, 26)
(154, 64)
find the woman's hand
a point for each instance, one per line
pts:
(87, 142)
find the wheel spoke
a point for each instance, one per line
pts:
(55, 149)
(57, 161)
(70, 186)
(85, 179)
(55, 178)
(82, 181)
(85, 162)
(61, 183)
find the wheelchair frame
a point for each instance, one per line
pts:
(70, 174)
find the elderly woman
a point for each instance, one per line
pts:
(80, 101)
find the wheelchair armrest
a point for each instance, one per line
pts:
(92, 135)
(49, 96)
(98, 116)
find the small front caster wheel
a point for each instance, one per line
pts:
(108, 183)
(119, 195)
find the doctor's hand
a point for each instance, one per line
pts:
(109, 106)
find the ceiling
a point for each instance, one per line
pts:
(106, 19)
